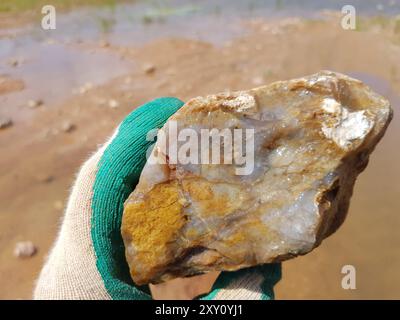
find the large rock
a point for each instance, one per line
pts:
(312, 137)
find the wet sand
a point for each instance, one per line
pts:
(39, 160)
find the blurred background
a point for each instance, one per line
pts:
(63, 91)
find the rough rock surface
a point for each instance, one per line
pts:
(312, 137)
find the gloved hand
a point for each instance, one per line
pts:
(87, 260)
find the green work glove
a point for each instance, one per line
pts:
(87, 260)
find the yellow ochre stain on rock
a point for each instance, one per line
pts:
(249, 229)
(210, 201)
(198, 189)
(153, 222)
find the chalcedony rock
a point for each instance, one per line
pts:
(311, 137)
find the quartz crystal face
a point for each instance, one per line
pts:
(282, 189)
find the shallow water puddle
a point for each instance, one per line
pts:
(51, 72)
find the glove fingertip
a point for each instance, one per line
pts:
(160, 108)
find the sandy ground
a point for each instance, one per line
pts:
(39, 160)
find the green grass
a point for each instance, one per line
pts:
(21, 6)
(397, 26)
(366, 23)
(106, 24)
(160, 13)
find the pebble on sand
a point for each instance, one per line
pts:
(104, 44)
(85, 88)
(14, 62)
(35, 103)
(5, 123)
(68, 126)
(113, 103)
(45, 178)
(149, 68)
(25, 249)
